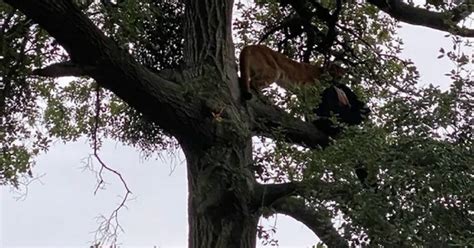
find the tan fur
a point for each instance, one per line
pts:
(261, 66)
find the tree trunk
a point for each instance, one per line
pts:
(208, 39)
(221, 182)
(221, 188)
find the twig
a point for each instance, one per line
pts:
(106, 225)
(25, 183)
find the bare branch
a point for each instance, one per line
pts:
(318, 220)
(62, 69)
(444, 21)
(109, 226)
(21, 190)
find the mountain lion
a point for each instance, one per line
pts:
(260, 66)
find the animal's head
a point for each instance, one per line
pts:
(351, 114)
(336, 70)
(331, 68)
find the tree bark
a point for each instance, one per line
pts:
(220, 180)
(208, 39)
(318, 220)
(220, 197)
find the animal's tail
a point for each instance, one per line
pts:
(342, 97)
(244, 80)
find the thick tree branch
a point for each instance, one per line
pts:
(267, 194)
(114, 68)
(318, 220)
(285, 198)
(444, 21)
(268, 119)
(62, 69)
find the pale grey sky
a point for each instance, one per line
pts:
(60, 211)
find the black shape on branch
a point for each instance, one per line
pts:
(352, 114)
(363, 176)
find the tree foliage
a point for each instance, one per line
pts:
(416, 147)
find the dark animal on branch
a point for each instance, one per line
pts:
(362, 174)
(350, 114)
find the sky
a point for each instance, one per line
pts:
(60, 208)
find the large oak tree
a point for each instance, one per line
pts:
(161, 74)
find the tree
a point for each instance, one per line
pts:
(157, 83)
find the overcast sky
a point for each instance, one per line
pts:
(60, 210)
